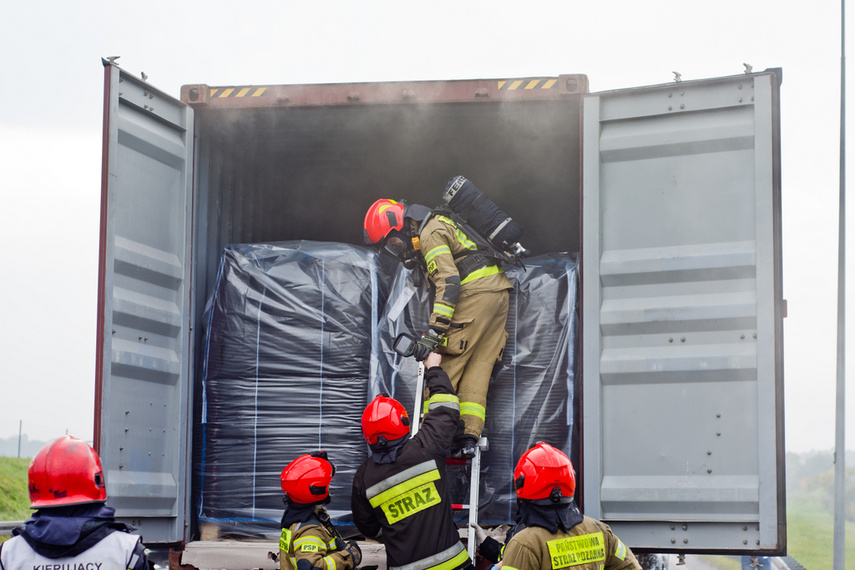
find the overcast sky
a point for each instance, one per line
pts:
(51, 118)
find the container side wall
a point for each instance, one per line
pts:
(681, 270)
(144, 382)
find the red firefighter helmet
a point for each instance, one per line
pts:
(544, 472)
(384, 418)
(67, 471)
(307, 478)
(382, 217)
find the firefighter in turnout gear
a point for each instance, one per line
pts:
(309, 540)
(552, 533)
(401, 489)
(470, 307)
(72, 527)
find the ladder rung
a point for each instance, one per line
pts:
(459, 507)
(450, 461)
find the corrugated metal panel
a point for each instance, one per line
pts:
(142, 384)
(683, 438)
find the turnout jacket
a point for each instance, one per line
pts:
(407, 498)
(589, 545)
(444, 247)
(79, 537)
(312, 544)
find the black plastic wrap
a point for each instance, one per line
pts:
(531, 398)
(299, 339)
(286, 364)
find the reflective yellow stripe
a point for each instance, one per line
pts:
(620, 551)
(440, 560)
(330, 563)
(472, 409)
(461, 237)
(309, 544)
(438, 250)
(442, 401)
(402, 488)
(453, 563)
(443, 398)
(483, 272)
(443, 309)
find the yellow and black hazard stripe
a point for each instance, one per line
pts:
(527, 84)
(233, 92)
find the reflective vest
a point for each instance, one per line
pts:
(113, 552)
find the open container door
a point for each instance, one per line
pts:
(683, 447)
(142, 391)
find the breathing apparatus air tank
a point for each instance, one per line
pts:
(483, 215)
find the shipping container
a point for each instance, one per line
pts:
(670, 194)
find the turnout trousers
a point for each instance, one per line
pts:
(473, 345)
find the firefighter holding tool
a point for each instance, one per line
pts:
(470, 288)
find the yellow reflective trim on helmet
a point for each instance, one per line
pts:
(438, 250)
(483, 272)
(473, 409)
(385, 207)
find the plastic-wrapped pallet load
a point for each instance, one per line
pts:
(531, 399)
(300, 339)
(287, 358)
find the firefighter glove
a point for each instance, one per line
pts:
(426, 345)
(355, 552)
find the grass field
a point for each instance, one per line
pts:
(14, 499)
(810, 532)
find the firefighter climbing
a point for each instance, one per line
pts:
(470, 288)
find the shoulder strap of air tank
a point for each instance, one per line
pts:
(484, 245)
